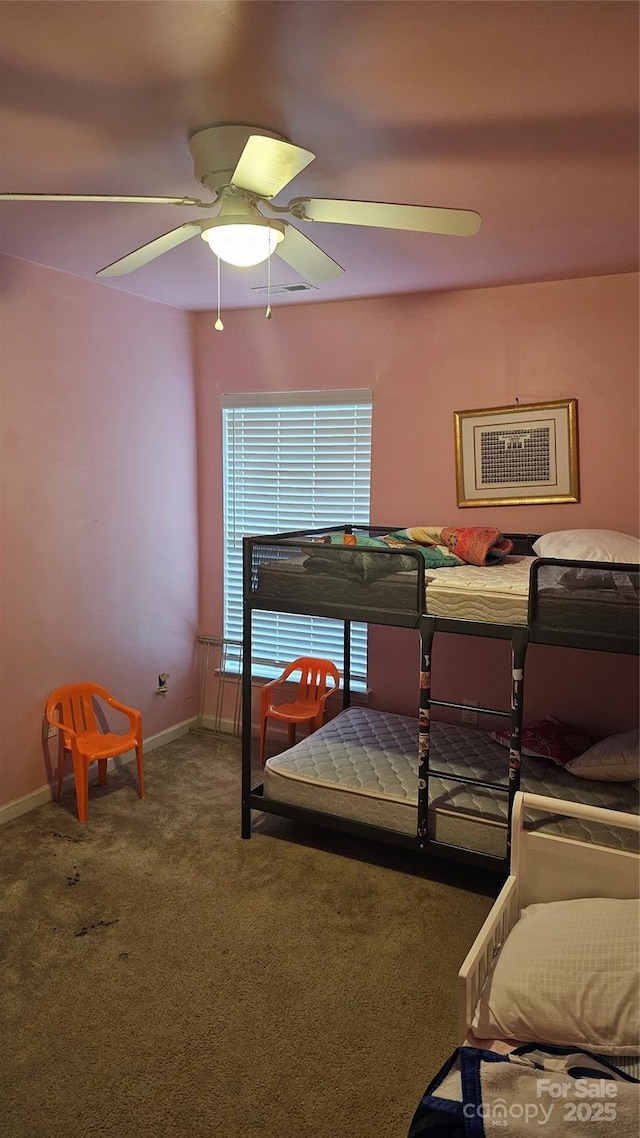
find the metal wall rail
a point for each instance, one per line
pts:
(229, 670)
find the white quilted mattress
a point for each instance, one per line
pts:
(362, 765)
(498, 593)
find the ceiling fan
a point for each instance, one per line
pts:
(244, 167)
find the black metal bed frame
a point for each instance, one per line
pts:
(535, 631)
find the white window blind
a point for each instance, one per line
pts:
(293, 461)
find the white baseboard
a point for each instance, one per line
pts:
(225, 727)
(47, 793)
(218, 726)
(167, 736)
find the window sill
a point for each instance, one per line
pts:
(363, 693)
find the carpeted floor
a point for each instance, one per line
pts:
(162, 978)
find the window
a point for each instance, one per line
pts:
(293, 460)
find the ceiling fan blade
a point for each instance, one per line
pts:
(151, 250)
(384, 215)
(303, 255)
(267, 165)
(101, 198)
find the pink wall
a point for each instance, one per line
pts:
(98, 560)
(426, 356)
(99, 521)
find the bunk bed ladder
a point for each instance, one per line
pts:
(427, 630)
(519, 642)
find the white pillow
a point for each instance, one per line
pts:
(568, 974)
(589, 545)
(614, 759)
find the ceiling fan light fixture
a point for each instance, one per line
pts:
(243, 241)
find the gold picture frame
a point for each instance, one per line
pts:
(520, 455)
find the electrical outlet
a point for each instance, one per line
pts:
(51, 731)
(469, 715)
(162, 681)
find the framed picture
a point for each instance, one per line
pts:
(520, 455)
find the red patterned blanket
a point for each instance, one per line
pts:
(475, 545)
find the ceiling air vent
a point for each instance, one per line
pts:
(280, 290)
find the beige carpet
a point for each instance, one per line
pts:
(162, 977)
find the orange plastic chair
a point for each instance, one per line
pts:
(71, 709)
(308, 706)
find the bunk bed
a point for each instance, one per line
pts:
(440, 789)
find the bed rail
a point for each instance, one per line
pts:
(296, 572)
(477, 963)
(552, 867)
(585, 604)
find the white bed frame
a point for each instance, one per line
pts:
(546, 867)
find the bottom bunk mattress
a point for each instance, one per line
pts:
(363, 766)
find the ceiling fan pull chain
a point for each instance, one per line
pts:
(219, 326)
(268, 310)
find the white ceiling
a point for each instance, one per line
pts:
(524, 110)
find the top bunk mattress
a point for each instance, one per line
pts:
(492, 593)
